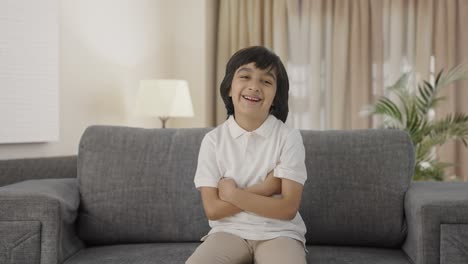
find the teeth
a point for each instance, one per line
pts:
(251, 98)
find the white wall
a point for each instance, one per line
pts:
(107, 46)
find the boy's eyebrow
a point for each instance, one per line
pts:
(244, 69)
(250, 70)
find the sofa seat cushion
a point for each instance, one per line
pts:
(179, 252)
(355, 255)
(135, 254)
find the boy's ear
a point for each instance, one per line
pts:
(230, 94)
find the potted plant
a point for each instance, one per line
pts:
(412, 108)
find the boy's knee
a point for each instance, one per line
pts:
(193, 260)
(189, 261)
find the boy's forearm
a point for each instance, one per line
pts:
(259, 189)
(278, 208)
(225, 209)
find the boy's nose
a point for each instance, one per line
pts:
(254, 87)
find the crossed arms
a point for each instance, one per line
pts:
(228, 199)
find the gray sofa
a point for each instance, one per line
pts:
(129, 197)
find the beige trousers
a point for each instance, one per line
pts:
(225, 248)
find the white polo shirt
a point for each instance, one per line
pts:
(247, 157)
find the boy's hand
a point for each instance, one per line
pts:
(226, 186)
(272, 184)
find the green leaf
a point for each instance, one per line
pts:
(438, 77)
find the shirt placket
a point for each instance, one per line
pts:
(248, 146)
(243, 170)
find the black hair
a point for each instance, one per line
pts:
(263, 59)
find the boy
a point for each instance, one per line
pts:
(251, 169)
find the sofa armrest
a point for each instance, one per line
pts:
(437, 217)
(16, 170)
(37, 221)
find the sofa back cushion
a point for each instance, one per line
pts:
(137, 185)
(356, 186)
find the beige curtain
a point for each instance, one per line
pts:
(352, 50)
(244, 23)
(450, 48)
(330, 63)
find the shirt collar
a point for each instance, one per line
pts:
(264, 130)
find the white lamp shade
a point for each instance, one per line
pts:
(164, 98)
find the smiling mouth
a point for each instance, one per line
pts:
(251, 98)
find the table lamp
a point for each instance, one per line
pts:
(164, 99)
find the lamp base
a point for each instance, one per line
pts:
(164, 120)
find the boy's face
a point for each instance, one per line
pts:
(253, 91)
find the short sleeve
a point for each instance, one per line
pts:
(207, 173)
(291, 164)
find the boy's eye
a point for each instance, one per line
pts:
(244, 76)
(268, 82)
